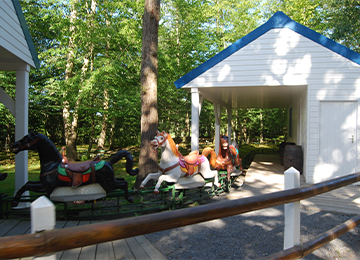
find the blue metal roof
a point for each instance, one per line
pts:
(26, 32)
(278, 20)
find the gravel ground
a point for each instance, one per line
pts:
(254, 235)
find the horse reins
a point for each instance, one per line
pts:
(168, 168)
(23, 147)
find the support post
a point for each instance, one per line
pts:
(43, 218)
(217, 111)
(195, 119)
(229, 114)
(21, 125)
(291, 210)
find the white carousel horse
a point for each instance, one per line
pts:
(173, 165)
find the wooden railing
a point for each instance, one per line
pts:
(63, 239)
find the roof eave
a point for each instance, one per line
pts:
(277, 21)
(26, 32)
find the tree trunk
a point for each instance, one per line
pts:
(112, 135)
(91, 137)
(104, 126)
(149, 72)
(261, 127)
(70, 123)
(101, 141)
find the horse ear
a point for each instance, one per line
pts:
(157, 132)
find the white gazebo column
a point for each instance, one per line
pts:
(195, 111)
(229, 114)
(21, 124)
(217, 111)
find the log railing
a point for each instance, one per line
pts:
(63, 239)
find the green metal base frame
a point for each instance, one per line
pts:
(114, 205)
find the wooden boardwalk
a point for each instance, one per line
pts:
(130, 248)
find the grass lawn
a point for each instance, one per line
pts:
(7, 163)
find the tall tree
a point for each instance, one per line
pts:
(343, 23)
(148, 80)
(70, 119)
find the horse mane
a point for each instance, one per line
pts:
(46, 139)
(172, 144)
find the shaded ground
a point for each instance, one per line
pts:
(254, 235)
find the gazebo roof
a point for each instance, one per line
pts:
(9, 54)
(259, 96)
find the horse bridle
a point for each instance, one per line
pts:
(164, 135)
(27, 145)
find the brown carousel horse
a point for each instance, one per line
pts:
(228, 157)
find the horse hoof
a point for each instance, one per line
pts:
(14, 204)
(130, 199)
(141, 187)
(156, 192)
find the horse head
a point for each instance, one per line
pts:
(159, 139)
(224, 142)
(26, 143)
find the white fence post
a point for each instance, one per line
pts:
(43, 218)
(291, 210)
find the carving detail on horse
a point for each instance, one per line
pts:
(57, 171)
(228, 157)
(174, 165)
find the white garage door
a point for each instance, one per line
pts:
(338, 122)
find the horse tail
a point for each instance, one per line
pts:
(235, 156)
(129, 161)
(208, 151)
(3, 176)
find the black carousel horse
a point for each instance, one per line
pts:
(3, 176)
(56, 171)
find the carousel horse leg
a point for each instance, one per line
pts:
(126, 193)
(167, 178)
(122, 184)
(150, 176)
(35, 186)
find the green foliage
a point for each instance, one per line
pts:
(106, 55)
(343, 24)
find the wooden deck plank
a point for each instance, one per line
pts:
(70, 223)
(105, 251)
(122, 250)
(73, 254)
(7, 225)
(20, 228)
(153, 253)
(88, 252)
(136, 249)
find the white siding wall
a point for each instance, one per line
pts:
(11, 34)
(282, 57)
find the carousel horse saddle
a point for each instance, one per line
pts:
(191, 162)
(76, 171)
(81, 166)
